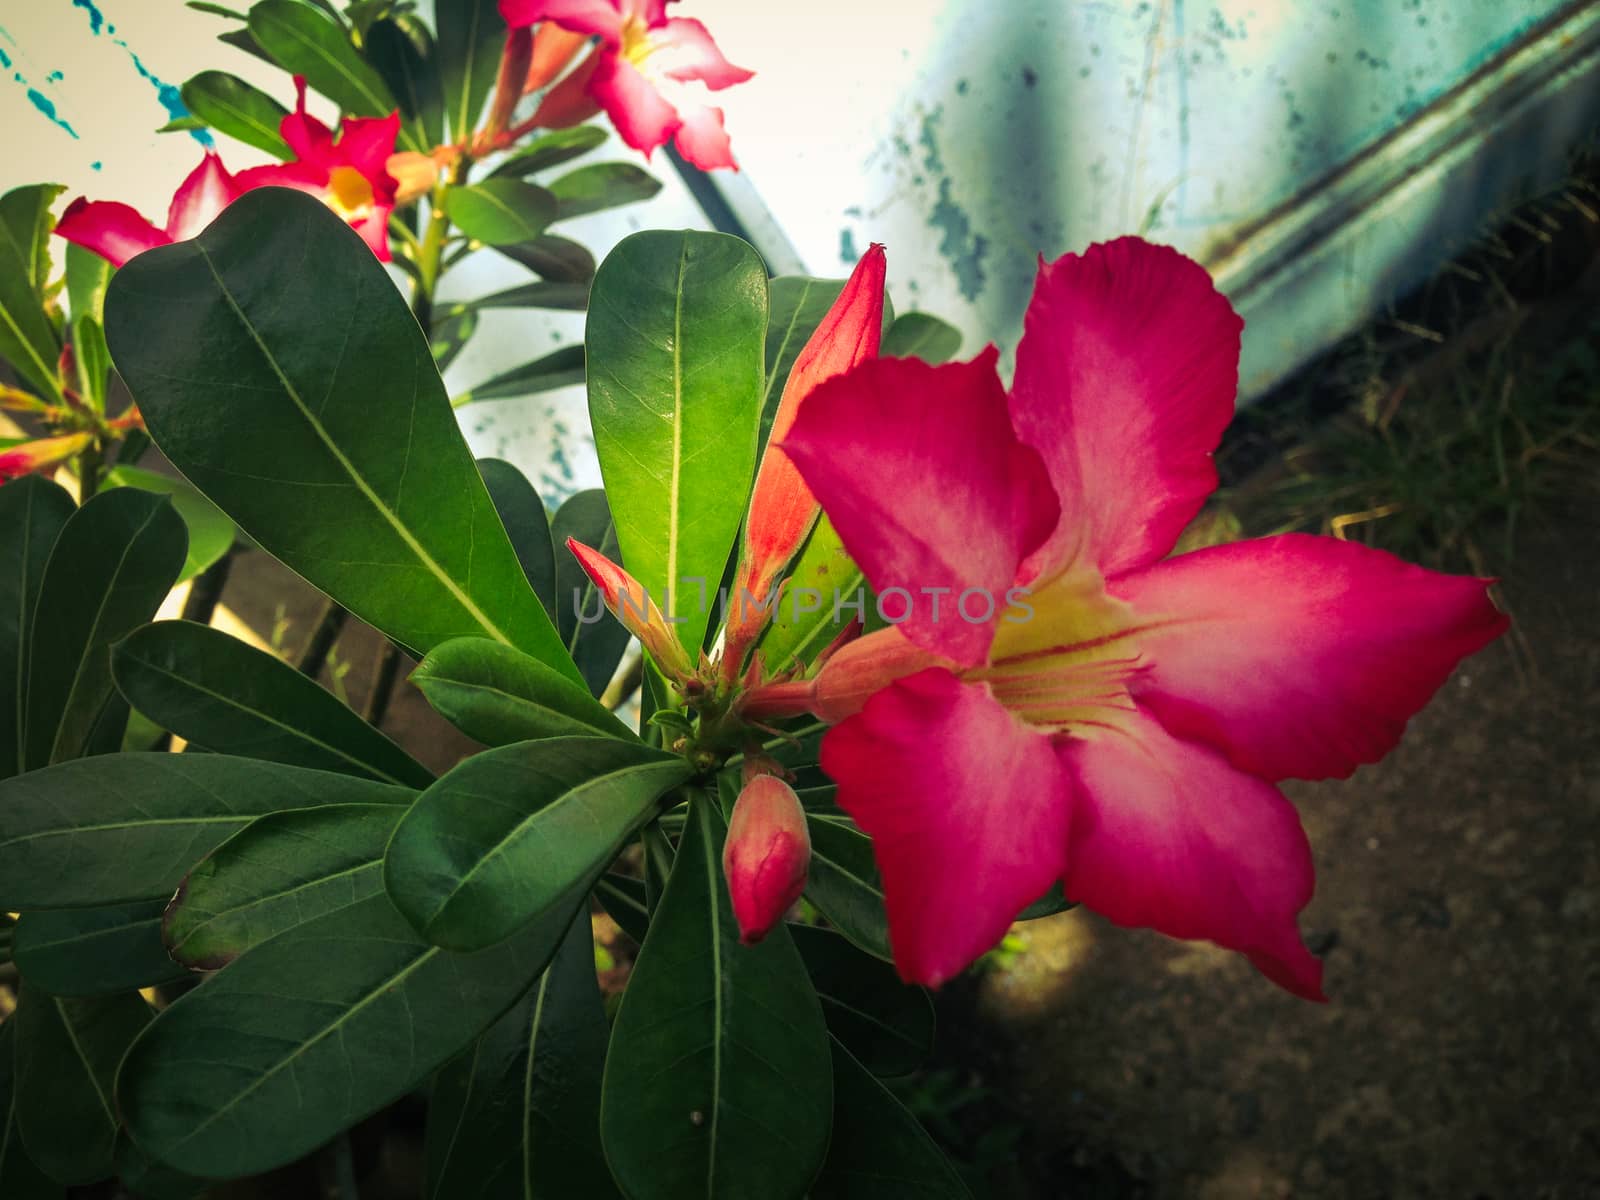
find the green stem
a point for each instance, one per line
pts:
(90, 466)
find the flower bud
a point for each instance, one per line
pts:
(569, 102)
(414, 174)
(630, 602)
(553, 48)
(41, 453)
(766, 855)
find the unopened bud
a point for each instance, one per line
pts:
(630, 603)
(766, 856)
(414, 174)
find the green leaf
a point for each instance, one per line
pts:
(267, 1060)
(67, 1056)
(843, 883)
(359, 478)
(518, 1116)
(498, 696)
(281, 870)
(450, 334)
(25, 225)
(243, 39)
(623, 897)
(550, 149)
(1048, 905)
(798, 304)
(887, 1024)
(506, 836)
(124, 827)
(919, 335)
(33, 512)
(401, 49)
(306, 42)
(823, 567)
(500, 212)
(225, 695)
(20, 1179)
(241, 110)
(144, 1177)
(472, 36)
(879, 1150)
(600, 186)
(676, 328)
(211, 533)
(527, 524)
(730, 1037)
(557, 259)
(88, 276)
(27, 338)
(93, 361)
(572, 297)
(112, 566)
(216, 10)
(597, 640)
(95, 951)
(561, 368)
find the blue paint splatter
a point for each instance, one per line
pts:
(171, 99)
(5, 59)
(96, 17)
(54, 77)
(43, 104)
(96, 166)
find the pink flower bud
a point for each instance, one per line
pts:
(630, 603)
(766, 855)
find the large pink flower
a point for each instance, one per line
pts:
(1121, 726)
(641, 69)
(116, 231)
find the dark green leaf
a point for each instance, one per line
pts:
(501, 212)
(472, 35)
(623, 897)
(557, 259)
(594, 638)
(918, 335)
(88, 276)
(844, 885)
(306, 42)
(887, 1024)
(518, 1116)
(95, 951)
(675, 333)
(498, 696)
(281, 870)
(401, 48)
(527, 524)
(32, 513)
(20, 1179)
(1048, 905)
(572, 297)
(147, 1179)
(216, 10)
(112, 566)
(25, 225)
(27, 339)
(504, 837)
(243, 39)
(601, 186)
(67, 1056)
(124, 827)
(550, 149)
(230, 105)
(218, 692)
(267, 1060)
(717, 1081)
(360, 479)
(211, 533)
(879, 1150)
(561, 368)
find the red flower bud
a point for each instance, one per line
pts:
(766, 855)
(630, 602)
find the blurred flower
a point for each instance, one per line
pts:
(1082, 709)
(116, 232)
(640, 71)
(766, 855)
(41, 453)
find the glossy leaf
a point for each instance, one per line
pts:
(25, 225)
(675, 336)
(796, 307)
(306, 42)
(267, 1060)
(112, 566)
(888, 1025)
(844, 885)
(623, 897)
(557, 259)
(817, 602)
(501, 212)
(211, 533)
(281, 870)
(919, 335)
(471, 38)
(124, 827)
(241, 110)
(717, 1082)
(518, 1116)
(451, 333)
(20, 1179)
(27, 339)
(551, 149)
(94, 951)
(67, 1056)
(32, 513)
(561, 368)
(93, 362)
(595, 639)
(502, 839)
(401, 49)
(148, 1179)
(570, 297)
(359, 477)
(88, 276)
(879, 1150)
(600, 186)
(527, 524)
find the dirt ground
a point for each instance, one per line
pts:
(1458, 906)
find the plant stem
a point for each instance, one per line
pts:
(322, 638)
(383, 681)
(206, 591)
(90, 464)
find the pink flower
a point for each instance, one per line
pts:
(116, 232)
(641, 66)
(346, 171)
(41, 453)
(1118, 724)
(766, 856)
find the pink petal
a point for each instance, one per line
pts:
(113, 230)
(301, 176)
(366, 143)
(374, 230)
(968, 810)
(200, 198)
(1170, 837)
(702, 139)
(602, 18)
(929, 488)
(1125, 380)
(685, 52)
(641, 114)
(309, 138)
(1300, 656)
